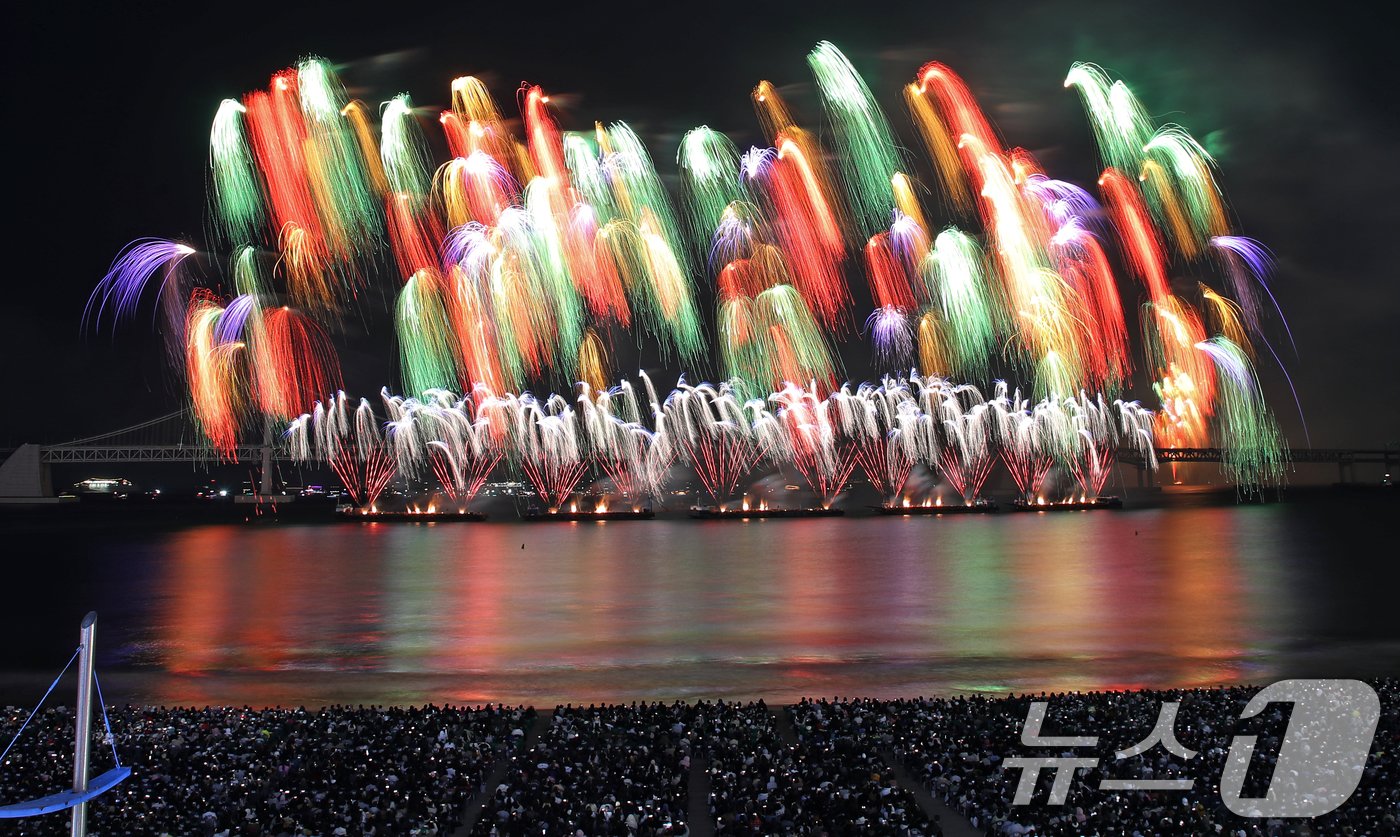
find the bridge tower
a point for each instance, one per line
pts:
(26, 476)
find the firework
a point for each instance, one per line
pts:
(873, 418)
(533, 261)
(1027, 445)
(1254, 453)
(715, 434)
(812, 442)
(548, 447)
(236, 193)
(869, 155)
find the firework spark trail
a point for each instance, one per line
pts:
(711, 428)
(942, 148)
(582, 156)
(217, 387)
(1138, 238)
(1186, 384)
(365, 479)
(1024, 439)
(547, 223)
(811, 441)
(1253, 447)
(870, 157)
(1228, 319)
(549, 449)
(1091, 458)
(637, 188)
(488, 356)
(545, 143)
(891, 335)
(126, 282)
(294, 345)
(798, 217)
(427, 349)
(236, 196)
(403, 149)
(955, 275)
(1184, 187)
(594, 271)
(1120, 125)
(890, 282)
(799, 351)
(475, 188)
(618, 443)
(1248, 260)
(413, 234)
(354, 448)
(1080, 258)
(594, 367)
(709, 165)
(462, 449)
(475, 124)
(537, 305)
(871, 418)
(1065, 203)
(954, 130)
(950, 428)
(1135, 431)
(357, 116)
(341, 181)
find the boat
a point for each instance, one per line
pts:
(1068, 505)
(716, 513)
(978, 506)
(429, 515)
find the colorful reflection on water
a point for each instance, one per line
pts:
(664, 609)
(661, 609)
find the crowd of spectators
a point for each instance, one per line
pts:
(365, 770)
(828, 783)
(958, 748)
(600, 770)
(629, 770)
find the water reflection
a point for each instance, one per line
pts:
(779, 608)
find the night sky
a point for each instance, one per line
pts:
(109, 114)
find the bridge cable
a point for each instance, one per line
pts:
(111, 739)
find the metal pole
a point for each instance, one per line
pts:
(84, 734)
(265, 483)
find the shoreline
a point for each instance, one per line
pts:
(784, 702)
(775, 682)
(172, 514)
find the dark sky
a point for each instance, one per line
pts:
(109, 112)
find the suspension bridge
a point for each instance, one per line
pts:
(175, 437)
(1346, 459)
